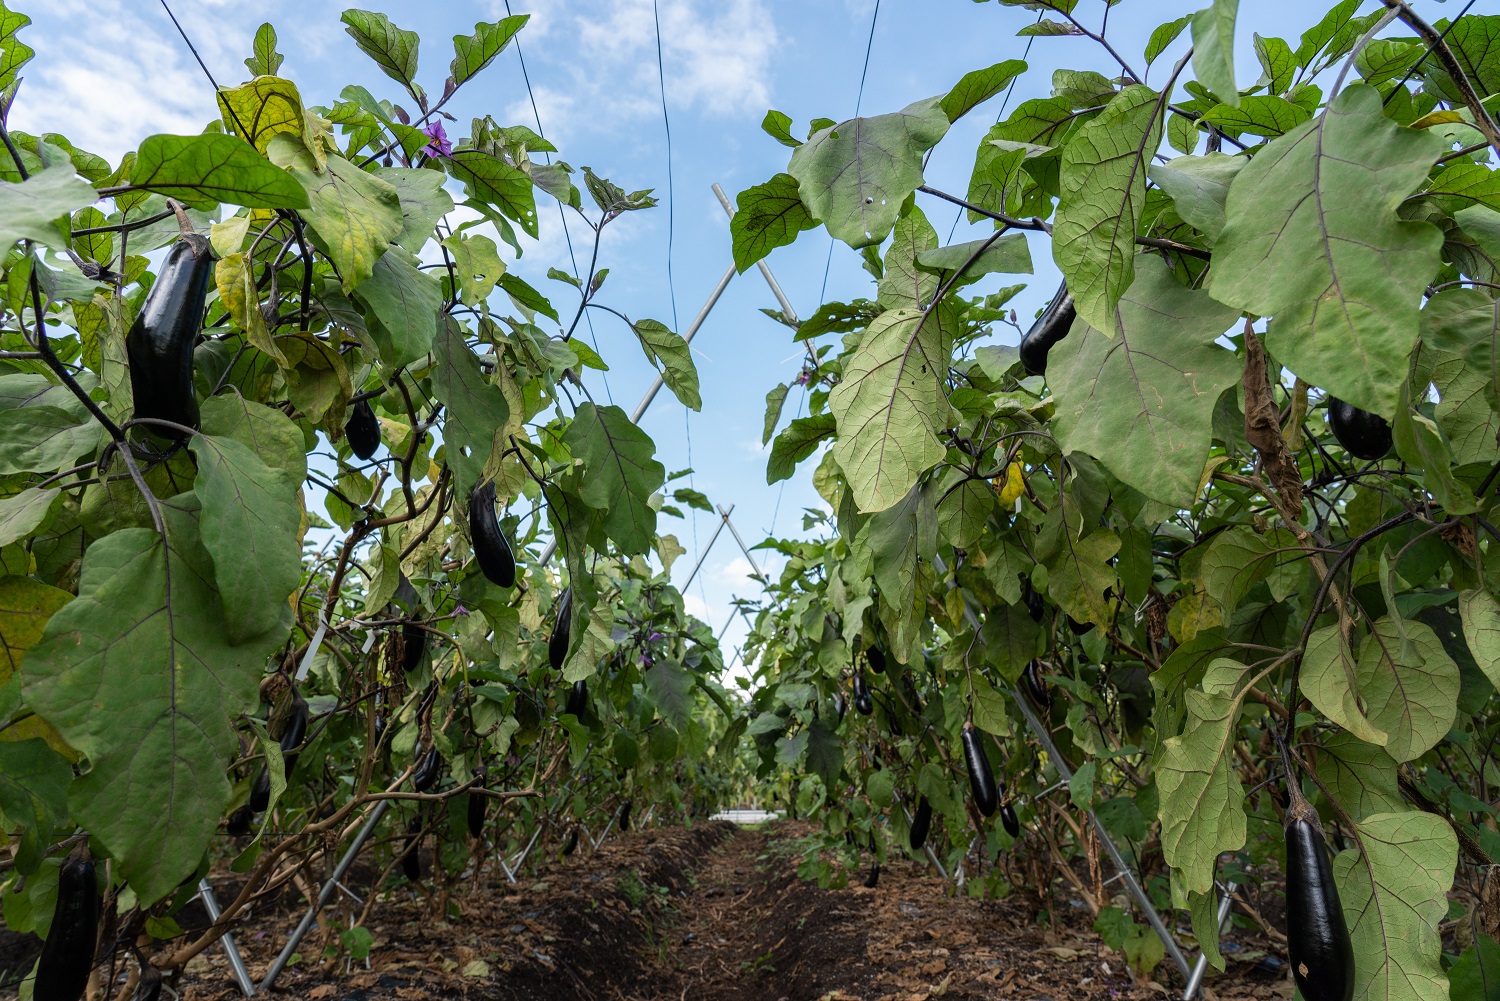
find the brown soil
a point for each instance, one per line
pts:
(711, 913)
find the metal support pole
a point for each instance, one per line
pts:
(744, 549)
(1195, 979)
(765, 270)
(327, 891)
(236, 964)
(724, 520)
(521, 859)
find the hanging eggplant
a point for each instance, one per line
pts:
(238, 824)
(411, 858)
(1321, 952)
(1032, 599)
(562, 632)
(413, 646)
(62, 972)
(873, 879)
(578, 699)
(148, 985)
(840, 706)
(981, 778)
(363, 430)
(161, 340)
(292, 735)
(1036, 686)
(1010, 821)
(1364, 435)
(428, 770)
(476, 816)
(876, 658)
(625, 816)
(1049, 328)
(572, 842)
(863, 703)
(491, 550)
(921, 824)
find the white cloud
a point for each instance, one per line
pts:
(696, 606)
(736, 572)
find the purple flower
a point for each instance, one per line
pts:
(440, 146)
(654, 637)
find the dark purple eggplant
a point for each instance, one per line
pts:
(1321, 952)
(161, 340)
(562, 632)
(62, 972)
(260, 791)
(294, 734)
(1032, 599)
(476, 817)
(148, 985)
(363, 430)
(876, 658)
(863, 703)
(1364, 435)
(428, 771)
(1036, 686)
(413, 646)
(1049, 328)
(238, 824)
(981, 778)
(874, 878)
(625, 816)
(411, 856)
(840, 706)
(491, 550)
(1079, 628)
(578, 699)
(1009, 819)
(921, 824)
(572, 842)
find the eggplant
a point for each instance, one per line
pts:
(411, 859)
(491, 550)
(1079, 628)
(840, 706)
(62, 972)
(562, 632)
(863, 703)
(476, 817)
(363, 430)
(1364, 435)
(148, 985)
(981, 778)
(161, 340)
(1009, 819)
(874, 877)
(572, 841)
(625, 816)
(428, 771)
(413, 646)
(876, 658)
(1049, 328)
(260, 791)
(578, 699)
(921, 824)
(238, 824)
(294, 734)
(1032, 599)
(1036, 687)
(1321, 952)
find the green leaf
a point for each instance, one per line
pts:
(891, 405)
(1312, 239)
(1081, 786)
(964, 509)
(34, 783)
(1164, 35)
(670, 687)
(1476, 974)
(1481, 617)
(1199, 186)
(423, 202)
(1361, 775)
(901, 282)
(1202, 801)
(692, 498)
(202, 171)
(249, 519)
(1047, 28)
(266, 107)
(825, 753)
(978, 86)
(1465, 179)
(1213, 49)
(25, 512)
(775, 400)
(1142, 401)
(899, 539)
(476, 407)
(880, 786)
(620, 473)
(493, 181)
(989, 706)
(1409, 685)
(767, 216)
(38, 207)
(1008, 255)
(675, 357)
(39, 439)
(1395, 897)
(266, 431)
(393, 49)
(472, 53)
(854, 176)
(1329, 679)
(1277, 64)
(266, 60)
(778, 126)
(13, 53)
(476, 265)
(406, 302)
(1079, 574)
(146, 689)
(1103, 195)
(1323, 32)
(800, 439)
(354, 215)
(1259, 115)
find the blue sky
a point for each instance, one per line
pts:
(593, 70)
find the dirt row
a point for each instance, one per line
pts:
(711, 912)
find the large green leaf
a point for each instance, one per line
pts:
(477, 408)
(34, 794)
(1142, 401)
(1313, 240)
(1080, 573)
(899, 539)
(1361, 775)
(800, 439)
(891, 405)
(44, 438)
(1481, 617)
(1329, 679)
(1202, 801)
(670, 686)
(23, 513)
(423, 202)
(37, 208)
(978, 86)
(620, 473)
(266, 431)
(1103, 195)
(393, 49)
(472, 53)
(137, 673)
(493, 181)
(353, 214)
(1199, 186)
(1213, 49)
(266, 107)
(406, 302)
(248, 525)
(1409, 685)
(1395, 897)
(767, 216)
(901, 282)
(676, 358)
(204, 170)
(1466, 323)
(855, 176)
